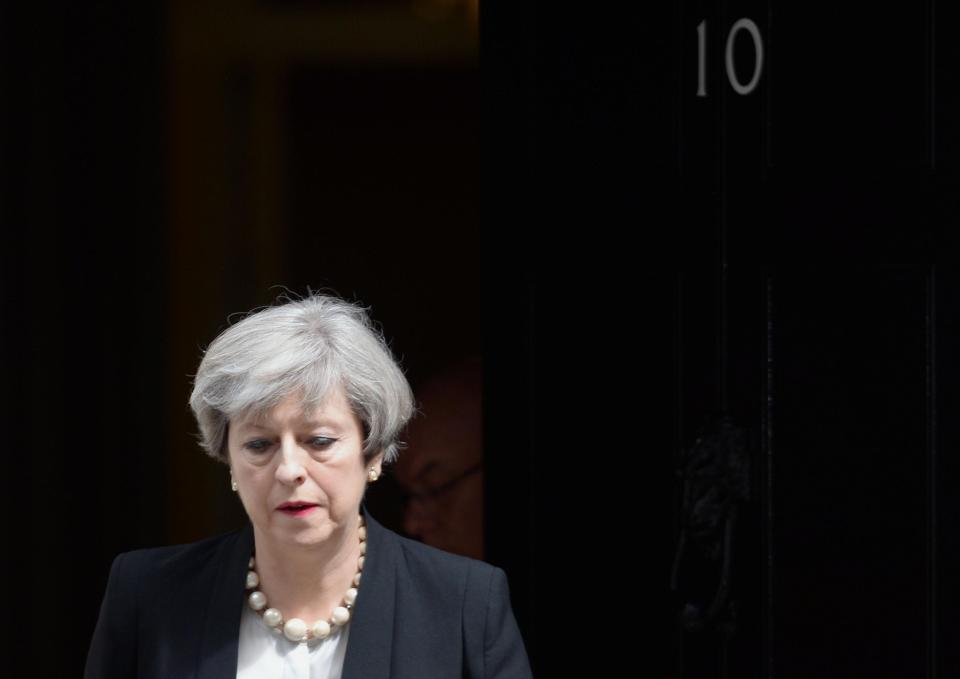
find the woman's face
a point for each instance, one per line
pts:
(290, 458)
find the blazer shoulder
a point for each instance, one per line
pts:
(176, 561)
(431, 559)
(453, 573)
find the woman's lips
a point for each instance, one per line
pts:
(297, 512)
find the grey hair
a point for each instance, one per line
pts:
(307, 346)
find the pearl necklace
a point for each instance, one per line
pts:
(295, 629)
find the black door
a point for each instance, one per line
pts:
(724, 281)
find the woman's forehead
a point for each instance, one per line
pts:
(333, 410)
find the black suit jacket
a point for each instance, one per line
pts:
(421, 613)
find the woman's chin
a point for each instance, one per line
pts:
(304, 536)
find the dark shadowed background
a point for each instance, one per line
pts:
(717, 313)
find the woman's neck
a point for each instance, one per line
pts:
(308, 581)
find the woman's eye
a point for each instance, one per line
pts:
(256, 446)
(260, 445)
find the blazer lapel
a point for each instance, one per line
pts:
(370, 643)
(221, 631)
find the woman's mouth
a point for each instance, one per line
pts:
(294, 510)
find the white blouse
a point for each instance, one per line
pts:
(265, 654)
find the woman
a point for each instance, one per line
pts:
(304, 402)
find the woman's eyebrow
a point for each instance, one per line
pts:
(332, 424)
(306, 423)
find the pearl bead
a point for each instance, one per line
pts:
(272, 617)
(340, 615)
(360, 562)
(294, 629)
(252, 579)
(363, 548)
(321, 629)
(350, 596)
(363, 533)
(257, 600)
(251, 564)
(356, 580)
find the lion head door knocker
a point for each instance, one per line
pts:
(715, 478)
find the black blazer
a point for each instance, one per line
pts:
(421, 613)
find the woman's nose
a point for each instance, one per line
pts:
(291, 467)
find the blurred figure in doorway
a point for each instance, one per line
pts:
(441, 471)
